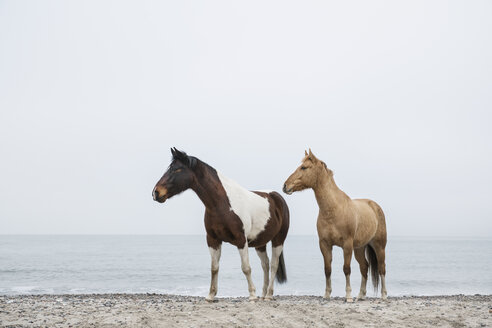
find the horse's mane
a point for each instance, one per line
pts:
(330, 172)
(193, 161)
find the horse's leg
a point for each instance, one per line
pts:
(326, 250)
(262, 253)
(347, 258)
(364, 266)
(276, 251)
(215, 250)
(381, 255)
(243, 252)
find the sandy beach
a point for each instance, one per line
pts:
(153, 310)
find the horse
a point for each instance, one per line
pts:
(356, 225)
(234, 215)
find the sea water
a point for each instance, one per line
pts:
(80, 264)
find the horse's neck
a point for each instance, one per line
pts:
(207, 186)
(329, 197)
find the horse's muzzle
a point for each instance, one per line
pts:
(287, 191)
(159, 196)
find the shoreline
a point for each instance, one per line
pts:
(164, 310)
(2, 296)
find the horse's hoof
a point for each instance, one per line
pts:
(253, 299)
(210, 300)
(326, 298)
(349, 300)
(268, 298)
(361, 298)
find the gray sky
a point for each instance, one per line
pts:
(395, 96)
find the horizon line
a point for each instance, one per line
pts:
(204, 234)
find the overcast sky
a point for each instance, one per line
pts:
(395, 97)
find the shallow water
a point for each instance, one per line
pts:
(181, 265)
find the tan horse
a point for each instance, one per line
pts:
(356, 225)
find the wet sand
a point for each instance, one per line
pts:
(153, 310)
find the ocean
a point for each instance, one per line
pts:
(83, 264)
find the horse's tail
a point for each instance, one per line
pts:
(373, 265)
(281, 272)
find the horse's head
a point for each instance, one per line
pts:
(306, 175)
(178, 177)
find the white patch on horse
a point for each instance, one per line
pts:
(266, 191)
(252, 209)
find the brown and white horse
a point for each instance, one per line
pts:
(356, 225)
(232, 214)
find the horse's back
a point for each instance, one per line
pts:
(370, 206)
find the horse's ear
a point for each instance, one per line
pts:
(178, 153)
(311, 156)
(181, 155)
(305, 153)
(173, 153)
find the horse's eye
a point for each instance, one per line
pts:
(177, 171)
(303, 167)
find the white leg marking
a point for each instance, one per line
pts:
(328, 289)
(384, 293)
(348, 289)
(215, 254)
(362, 292)
(265, 265)
(243, 252)
(276, 251)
